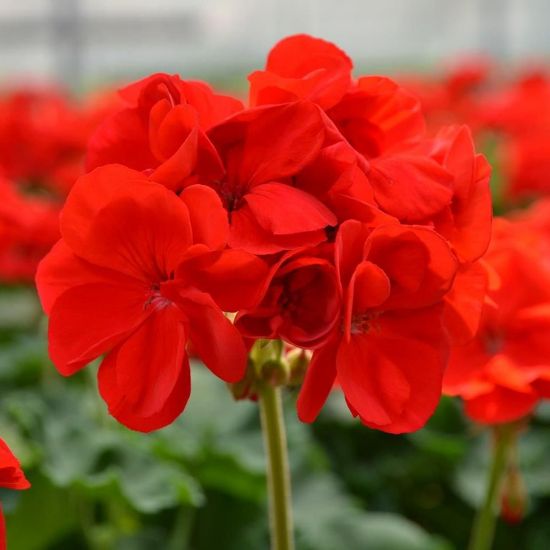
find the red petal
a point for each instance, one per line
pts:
(473, 215)
(418, 261)
(500, 405)
(247, 234)
(410, 187)
(378, 116)
(217, 342)
(350, 248)
(145, 381)
(89, 320)
(11, 474)
(302, 67)
(122, 138)
(269, 143)
(212, 108)
(93, 192)
(464, 302)
(369, 287)
(392, 375)
(151, 87)
(466, 367)
(299, 54)
(234, 278)
(285, 210)
(376, 387)
(469, 229)
(173, 171)
(98, 231)
(319, 380)
(61, 270)
(208, 216)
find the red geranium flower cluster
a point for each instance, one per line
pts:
(11, 477)
(321, 214)
(43, 137)
(504, 372)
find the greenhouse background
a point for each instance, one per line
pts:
(83, 41)
(200, 483)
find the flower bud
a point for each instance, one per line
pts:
(275, 373)
(245, 388)
(298, 361)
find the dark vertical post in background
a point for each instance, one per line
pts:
(67, 40)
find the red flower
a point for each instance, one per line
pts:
(36, 133)
(153, 251)
(43, 136)
(28, 229)
(301, 305)
(533, 224)
(139, 272)
(161, 130)
(503, 373)
(520, 113)
(525, 163)
(11, 477)
(261, 151)
(388, 349)
(452, 97)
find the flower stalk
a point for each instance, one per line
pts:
(278, 472)
(485, 522)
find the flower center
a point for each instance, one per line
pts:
(494, 342)
(365, 322)
(232, 197)
(155, 299)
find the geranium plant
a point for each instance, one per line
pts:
(318, 221)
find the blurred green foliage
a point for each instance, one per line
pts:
(200, 483)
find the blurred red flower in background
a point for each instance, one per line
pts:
(505, 371)
(520, 114)
(451, 97)
(29, 225)
(43, 137)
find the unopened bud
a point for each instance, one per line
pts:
(275, 373)
(245, 388)
(298, 361)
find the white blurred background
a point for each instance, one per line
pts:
(83, 42)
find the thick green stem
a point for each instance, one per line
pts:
(278, 473)
(484, 526)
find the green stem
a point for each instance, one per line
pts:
(484, 526)
(278, 473)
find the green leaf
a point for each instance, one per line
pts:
(43, 516)
(326, 518)
(151, 485)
